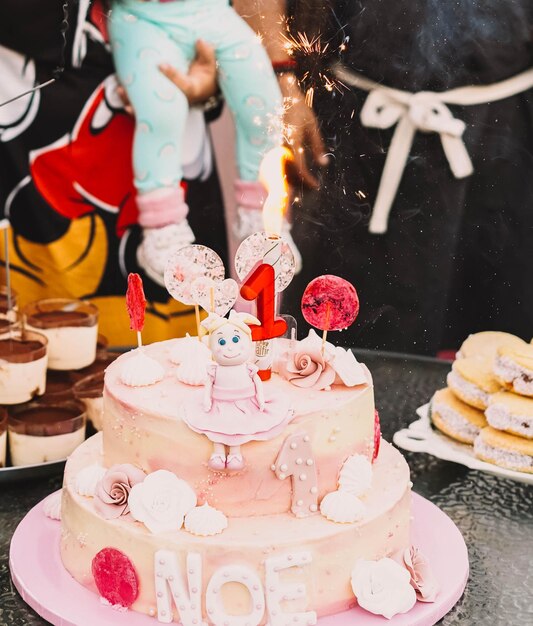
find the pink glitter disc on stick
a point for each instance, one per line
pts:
(330, 303)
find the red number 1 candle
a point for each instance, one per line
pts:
(259, 286)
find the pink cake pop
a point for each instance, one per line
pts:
(330, 303)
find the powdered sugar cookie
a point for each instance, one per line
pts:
(454, 418)
(486, 344)
(505, 450)
(512, 413)
(472, 381)
(513, 368)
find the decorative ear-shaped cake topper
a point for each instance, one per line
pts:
(215, 297)
(136, 304)
(256, 249)
(330, 303)
(187, 265)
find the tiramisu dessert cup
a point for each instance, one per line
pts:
(9, 321)
(5, 301)
(71, 327)
(3, 436)
(90, 391)
(23, 361)
(58, 388)
(39, 433)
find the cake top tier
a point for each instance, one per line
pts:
(166, 398)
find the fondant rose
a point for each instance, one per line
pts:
(161, 501)
(313, 363)
(422, 579)
(307, 366)
(112, 491)
(382, 587)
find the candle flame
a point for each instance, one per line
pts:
(273, 176)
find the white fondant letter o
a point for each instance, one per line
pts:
(216, 612)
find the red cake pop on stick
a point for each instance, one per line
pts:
(330, 303)
(136, 304)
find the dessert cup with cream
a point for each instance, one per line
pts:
(71, 327)
(9, 321)
(58, 388)
(23, 361)
(3, 436)
(4, 300)
(90, 391)
(39, 433)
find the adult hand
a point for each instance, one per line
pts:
(198, 84)
(303, 134)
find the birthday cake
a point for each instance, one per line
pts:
(318, 510)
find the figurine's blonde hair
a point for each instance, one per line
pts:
(241, 320)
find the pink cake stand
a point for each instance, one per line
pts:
(48, 588)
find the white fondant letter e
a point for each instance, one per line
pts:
(170, 586)
(276, 591)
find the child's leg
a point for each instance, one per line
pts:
(251, 90)
(161, 109)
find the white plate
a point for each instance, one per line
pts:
(422, 437)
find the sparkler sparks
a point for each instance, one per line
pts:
(303, 45)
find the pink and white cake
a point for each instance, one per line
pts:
(300, 520)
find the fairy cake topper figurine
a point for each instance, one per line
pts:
(234, 409)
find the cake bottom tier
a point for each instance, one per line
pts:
(274, 568)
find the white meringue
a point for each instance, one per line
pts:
(52, 506)
(140, 370)
(342, 507)
(86, 480)
(194, 356)
(205, 521)
(355, 476)
(382, 587)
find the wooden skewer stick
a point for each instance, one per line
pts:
(212, 299)
(139, 339)
(325, 331)
(197, 315)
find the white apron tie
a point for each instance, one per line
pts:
(425, 111)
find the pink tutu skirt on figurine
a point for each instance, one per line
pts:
(235, 417)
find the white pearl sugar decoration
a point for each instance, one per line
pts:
(52, 506)
(205, 521)
(140, 370)
(86, 480)
(342, 507)
(355, 476)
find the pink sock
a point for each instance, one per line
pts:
(162, 207)
(250, 195)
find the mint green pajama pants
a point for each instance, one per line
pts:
(146, 34)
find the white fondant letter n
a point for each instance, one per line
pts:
(170, 586)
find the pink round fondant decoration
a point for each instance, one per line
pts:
(115, 577)
(377, 436)
(330, 303)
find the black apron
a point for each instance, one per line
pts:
(458, 254)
